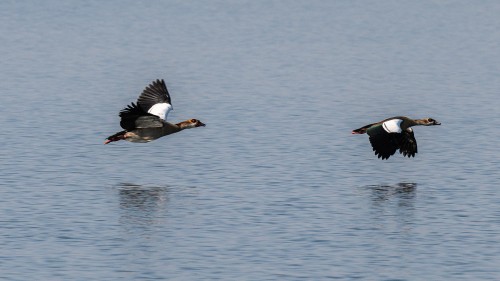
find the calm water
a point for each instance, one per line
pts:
(275, 187)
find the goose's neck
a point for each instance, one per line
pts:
(170, 128)
(417, 122)
(180, 126)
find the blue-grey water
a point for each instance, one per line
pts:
(275, 187)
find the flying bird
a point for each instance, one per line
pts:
(146, 120)
(394, 133)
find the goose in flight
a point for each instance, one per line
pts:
(394, 133)
(146, 120)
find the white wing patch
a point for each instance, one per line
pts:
(161, 110)
(392, 126)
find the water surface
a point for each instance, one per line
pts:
(275, 187)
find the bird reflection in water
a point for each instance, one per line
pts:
(142, 204)
(393, 204)
(402, 190)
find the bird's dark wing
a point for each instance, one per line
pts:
(133, 117)
(408, 144)
(155, 99)
(148, 121)
(363, 129)
(128, 116)
(383, 143)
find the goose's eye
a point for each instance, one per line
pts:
(193, 120)
(430, 120)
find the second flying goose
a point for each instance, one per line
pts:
(394, 133)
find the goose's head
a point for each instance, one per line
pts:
(191, 123)
(428, 122)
